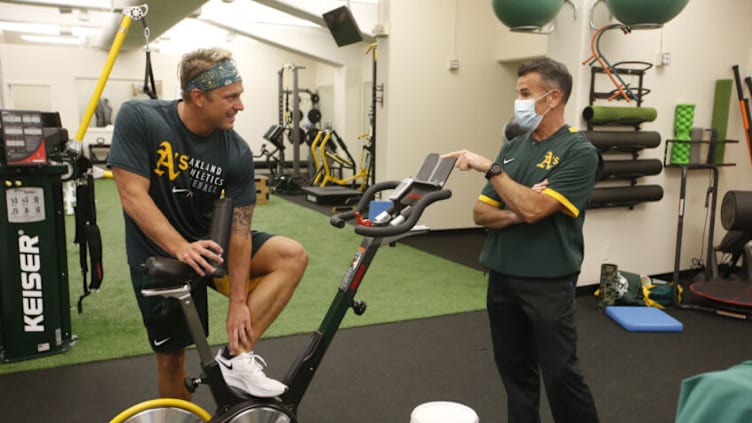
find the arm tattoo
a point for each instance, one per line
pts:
(241, 221)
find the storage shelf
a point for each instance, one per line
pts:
(692, 166)
(633, 68)
(636, 69)
(706, 165)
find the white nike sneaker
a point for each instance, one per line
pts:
(244, 374)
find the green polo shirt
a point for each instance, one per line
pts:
(552, 247)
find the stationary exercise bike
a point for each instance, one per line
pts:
(409, 198)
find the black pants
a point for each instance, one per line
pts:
(533, 332)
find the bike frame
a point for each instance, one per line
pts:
(409, 198)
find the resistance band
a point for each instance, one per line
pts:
(150, 88)
(88, 236)
(622, 89)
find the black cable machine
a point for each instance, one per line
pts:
(286, 175)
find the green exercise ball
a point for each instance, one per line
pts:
(526, 13)
(642, 12)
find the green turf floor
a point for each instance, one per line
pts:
(403, 283)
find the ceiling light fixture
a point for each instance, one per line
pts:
(52, 40)
(30, 28)
(84, 31)
(52, 30)
(83, 15)
(98, 4)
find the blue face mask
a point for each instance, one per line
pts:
(525, 114)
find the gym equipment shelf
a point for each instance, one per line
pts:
(708, 164)
(627, 141)
(622, 68)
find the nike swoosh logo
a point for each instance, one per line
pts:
(188, 193)
(160, 342)
(228, 365)
(507, 161)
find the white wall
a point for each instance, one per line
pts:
(258, 63)
(428, 108)
(705, 40)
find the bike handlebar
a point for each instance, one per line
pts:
(410, 215)
(338, 220)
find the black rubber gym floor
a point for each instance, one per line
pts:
(379, 373)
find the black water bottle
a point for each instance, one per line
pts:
(219, 232)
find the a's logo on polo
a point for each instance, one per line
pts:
(549, 161)
(167, 160)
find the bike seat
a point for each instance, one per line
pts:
(168, 272)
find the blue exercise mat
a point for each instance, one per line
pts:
(643, 319)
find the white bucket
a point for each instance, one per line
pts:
(443, 412)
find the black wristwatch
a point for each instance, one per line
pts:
(493, 170)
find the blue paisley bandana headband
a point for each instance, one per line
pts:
(219, 75)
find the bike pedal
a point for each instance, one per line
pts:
(192, 383)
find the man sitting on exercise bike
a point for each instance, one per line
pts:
(171, 161)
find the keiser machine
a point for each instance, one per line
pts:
(34, 298)
(34, 162)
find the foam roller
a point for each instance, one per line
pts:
(628, 169)
(736, 211)
(683, 119)
(604, 115)
(623, 140)
(625, 196)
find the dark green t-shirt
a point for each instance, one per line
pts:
(187, 172)
(552, 247)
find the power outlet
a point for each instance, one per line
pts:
(380, 31)
(663, 59)
(454, 64)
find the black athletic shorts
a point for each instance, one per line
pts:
(163, 318)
